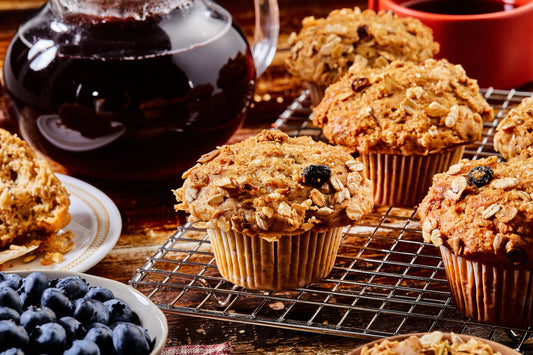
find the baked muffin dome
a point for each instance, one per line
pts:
(273, 184)
(405, 108)
(514, 134)
(482, 210)
(479, 213)
(325, 48)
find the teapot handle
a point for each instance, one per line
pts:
(266, 33)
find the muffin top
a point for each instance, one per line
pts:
(482, 210)
(405, 108)
(435, 342)
(272, 184)
(514, 134)
(325, 48)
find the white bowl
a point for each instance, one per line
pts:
(151, 317)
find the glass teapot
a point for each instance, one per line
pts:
(134, 90)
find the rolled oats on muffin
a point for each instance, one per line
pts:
(514, 134)
(480, 214)
(275, 206)
(325, 48)
(406, 122)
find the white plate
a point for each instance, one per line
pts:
(152, 318)
(95, 222)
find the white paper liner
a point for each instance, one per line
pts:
(489, 293)
(404, 180)
(292, 262)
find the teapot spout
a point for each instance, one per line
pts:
(266, 33)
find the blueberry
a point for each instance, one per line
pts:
(101, 313)
(103, 337)
(316, 175)
(34, 316)
(135, 318)
(74, 286)
(48, 338)
(24, 300)
(118, 311)
(151, 342)
(73, 327)
(57, 301)
(480, 175)
(83, 310)
(34, 284)
(10, 298)
(83, 347)
(129, 338)
(9, 313)
(12, 280)
(12, 351)
(12, 335)
(101, 294)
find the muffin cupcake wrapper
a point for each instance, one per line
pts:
(490, 294)
(291, 262)
(402, 180)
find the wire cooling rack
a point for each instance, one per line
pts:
(386, 280)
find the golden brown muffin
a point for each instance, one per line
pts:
(259, 186)
(480, 214)
(431, 343)
(406, 108)
(33, 203)
(274, 207)
(325, 48)
(406, 122)
(514, 134)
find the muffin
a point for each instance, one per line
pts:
(480, 214)
(405, 122)
(275, 207)
(514, 134)
(33, 204)
(325, 48)
(433, 343)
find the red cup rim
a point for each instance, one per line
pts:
(396, 7)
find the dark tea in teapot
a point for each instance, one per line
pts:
(129, 98)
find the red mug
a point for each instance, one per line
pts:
(496, 48)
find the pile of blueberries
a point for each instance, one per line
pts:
(66, 316)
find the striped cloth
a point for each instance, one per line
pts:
(216, 349)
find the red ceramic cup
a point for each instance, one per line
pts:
(495, 48)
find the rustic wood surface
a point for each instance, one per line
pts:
(147, 211)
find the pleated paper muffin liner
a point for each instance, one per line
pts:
(404, 180)
(488, 293)
(291, 262)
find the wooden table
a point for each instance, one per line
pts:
(147, 213)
